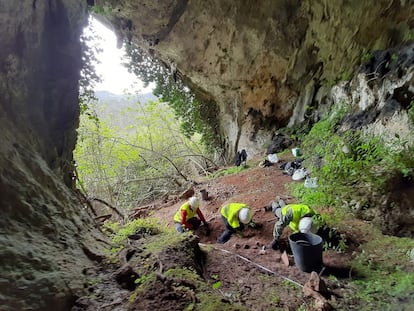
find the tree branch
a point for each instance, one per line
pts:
(109, 205)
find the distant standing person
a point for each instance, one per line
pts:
(186, 216)
(241, 157)
(297, 216)
(235, 216)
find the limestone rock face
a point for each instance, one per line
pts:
(45, 233)
(262, 62)
(380, 97)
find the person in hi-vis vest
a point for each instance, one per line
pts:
(235, 216)
(297, 216)
(186, 216)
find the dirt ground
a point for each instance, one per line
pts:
(251, 276)
(242, 279)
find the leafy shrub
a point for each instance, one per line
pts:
(354, 166)
(410, 112)
(135, 156)
(312, 196)
(195, 115)
(144, 226)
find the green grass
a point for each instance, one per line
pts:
(385, 273)
(147, 226)
(229, 171)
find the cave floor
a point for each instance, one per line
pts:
(250, 274)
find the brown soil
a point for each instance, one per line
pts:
(252, 275)
(242, 281)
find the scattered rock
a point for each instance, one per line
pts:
(285, 259)
(279, 143)
(316, 283)
(126, 276)
(322, 305)
(135, 236)
(314, 288)
(204, 195)
(237, 246)
(93, 254)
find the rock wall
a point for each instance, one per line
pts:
(379, 98)
(45, 233)
(264, 61)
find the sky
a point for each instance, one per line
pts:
(115, 76)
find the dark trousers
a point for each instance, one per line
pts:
(195, 222)
(226, 235)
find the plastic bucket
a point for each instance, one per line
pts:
(307, 251)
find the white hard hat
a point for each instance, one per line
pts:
(307, 226)
(245, 215)
(194, 202)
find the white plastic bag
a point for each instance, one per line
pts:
(299, 174)
(273, 158)
(311, 182)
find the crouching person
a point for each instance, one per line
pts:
(235, 216)
(186, 216)
(297, 216)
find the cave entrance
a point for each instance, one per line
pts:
(109, 61)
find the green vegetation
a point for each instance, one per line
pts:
(89, 77)
(384, 270)
(345, 76)
(102, 9)
(229, 171)
(350, 166)
(195, 115)
(353, 170)
(366, 56)
(136, 155)
(411, 112)
(146, 226)
(408, 36)
(180, 280)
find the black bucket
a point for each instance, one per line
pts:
(307, 251)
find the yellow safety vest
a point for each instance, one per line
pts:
(230, 212)
(299, 211)
(185, 207)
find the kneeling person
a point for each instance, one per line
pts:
(297, 216)
(235, 216)
(186, 216)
